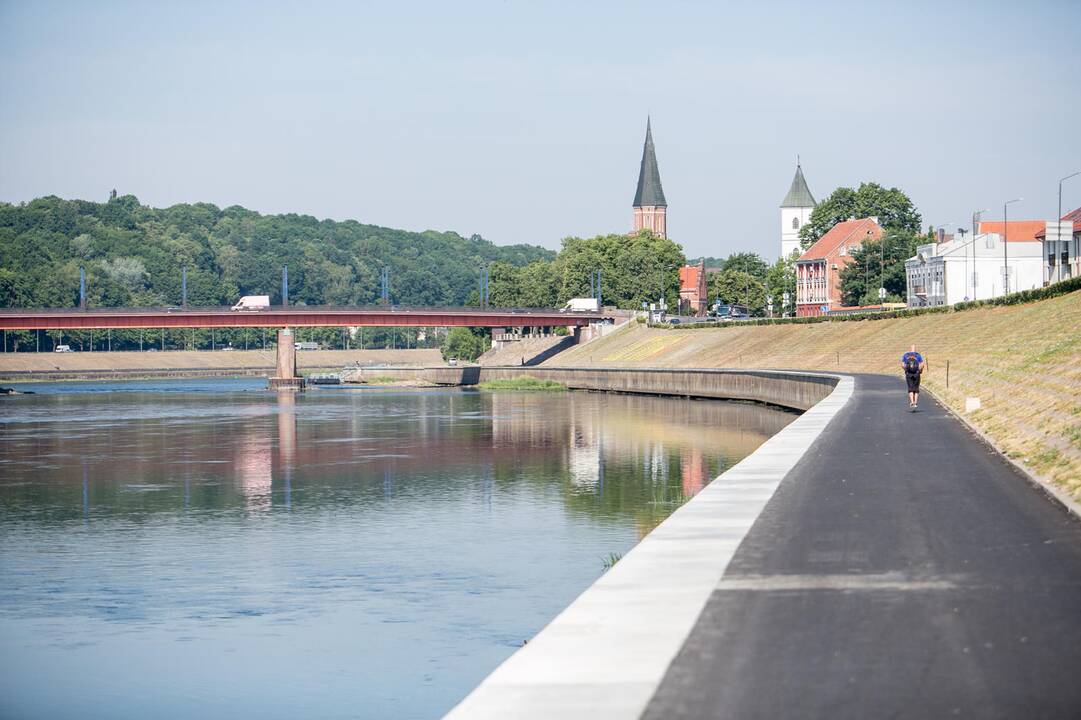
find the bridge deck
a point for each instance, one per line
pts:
(292, 316)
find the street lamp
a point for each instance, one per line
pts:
(1058, 220)
(975, 223)
(1005, 238)
(962, 232)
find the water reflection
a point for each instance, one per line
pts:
(337, 549)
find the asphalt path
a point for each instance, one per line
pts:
(903, 569)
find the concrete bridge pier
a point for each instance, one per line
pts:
(286, 377)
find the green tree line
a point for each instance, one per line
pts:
(133, 255)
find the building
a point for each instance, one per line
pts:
(795, 212)
(692, 289)
(818, 271)
(650, 208)
(1063, 256)
(971, 268)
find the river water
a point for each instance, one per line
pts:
(206, 549)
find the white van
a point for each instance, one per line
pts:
(62, 348)
(253, 302)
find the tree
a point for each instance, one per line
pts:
(892, 207)
(748, 262)
(464, 344)
(781, 279)
(735, 287)
(879, 264)
(634, 269)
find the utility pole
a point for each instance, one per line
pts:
(82, 289)
(184, 288)
(285, 285)
(975, 224)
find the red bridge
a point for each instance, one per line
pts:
(289, 316)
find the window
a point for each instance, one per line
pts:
(795, 223)
(989, 241)
(843, 250)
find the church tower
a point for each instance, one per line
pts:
(650, 209)
(795, 212)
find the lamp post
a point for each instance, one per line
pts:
(1058, 219)
(1005, 238)
(962, 230)
(975, 223)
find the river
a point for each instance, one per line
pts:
(206, 549)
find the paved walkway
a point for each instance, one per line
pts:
(901, 570)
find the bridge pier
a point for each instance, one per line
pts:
(286, 377)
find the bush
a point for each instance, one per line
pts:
(1025, 296)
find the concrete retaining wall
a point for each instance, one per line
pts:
(796, 390)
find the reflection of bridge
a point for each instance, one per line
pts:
(287, 316)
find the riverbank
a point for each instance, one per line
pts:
(24, 367)
(1022, 362)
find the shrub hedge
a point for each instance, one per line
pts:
(1025, 296)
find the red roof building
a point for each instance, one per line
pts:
(692, 289)
(818, 271)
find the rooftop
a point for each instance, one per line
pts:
(1017, 230)
(845, 233)
(799, 195)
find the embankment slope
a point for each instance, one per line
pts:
(1023, 362)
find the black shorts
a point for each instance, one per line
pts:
(913, 380)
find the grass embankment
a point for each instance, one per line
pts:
(525, 382)
(1022, 361)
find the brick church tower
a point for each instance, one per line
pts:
(650, 209)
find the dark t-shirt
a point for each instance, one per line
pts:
(906, 356)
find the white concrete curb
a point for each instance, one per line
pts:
(605, 655)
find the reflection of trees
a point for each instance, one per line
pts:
(611, 457)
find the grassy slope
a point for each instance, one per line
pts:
(1023, 362)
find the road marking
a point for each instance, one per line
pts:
(879, 581)
(605, 655)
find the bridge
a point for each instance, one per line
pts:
(288, 316)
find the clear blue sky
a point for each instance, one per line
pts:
(524, 121)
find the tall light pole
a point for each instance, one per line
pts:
(975, 220)
(962, 232)
(1005, 238)
(1058, 219)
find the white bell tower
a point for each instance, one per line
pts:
(795, 212)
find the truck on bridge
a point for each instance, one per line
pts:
(582, 305)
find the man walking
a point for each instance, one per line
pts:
(913, 364)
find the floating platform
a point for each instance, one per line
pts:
(325, 379)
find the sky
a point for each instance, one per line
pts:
(524, 121)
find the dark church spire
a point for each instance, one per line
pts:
(649, 191)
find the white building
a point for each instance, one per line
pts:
(1062, 248)
(795, 212)
(972, 268)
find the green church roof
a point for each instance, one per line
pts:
(649, 191)
(799, 195)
